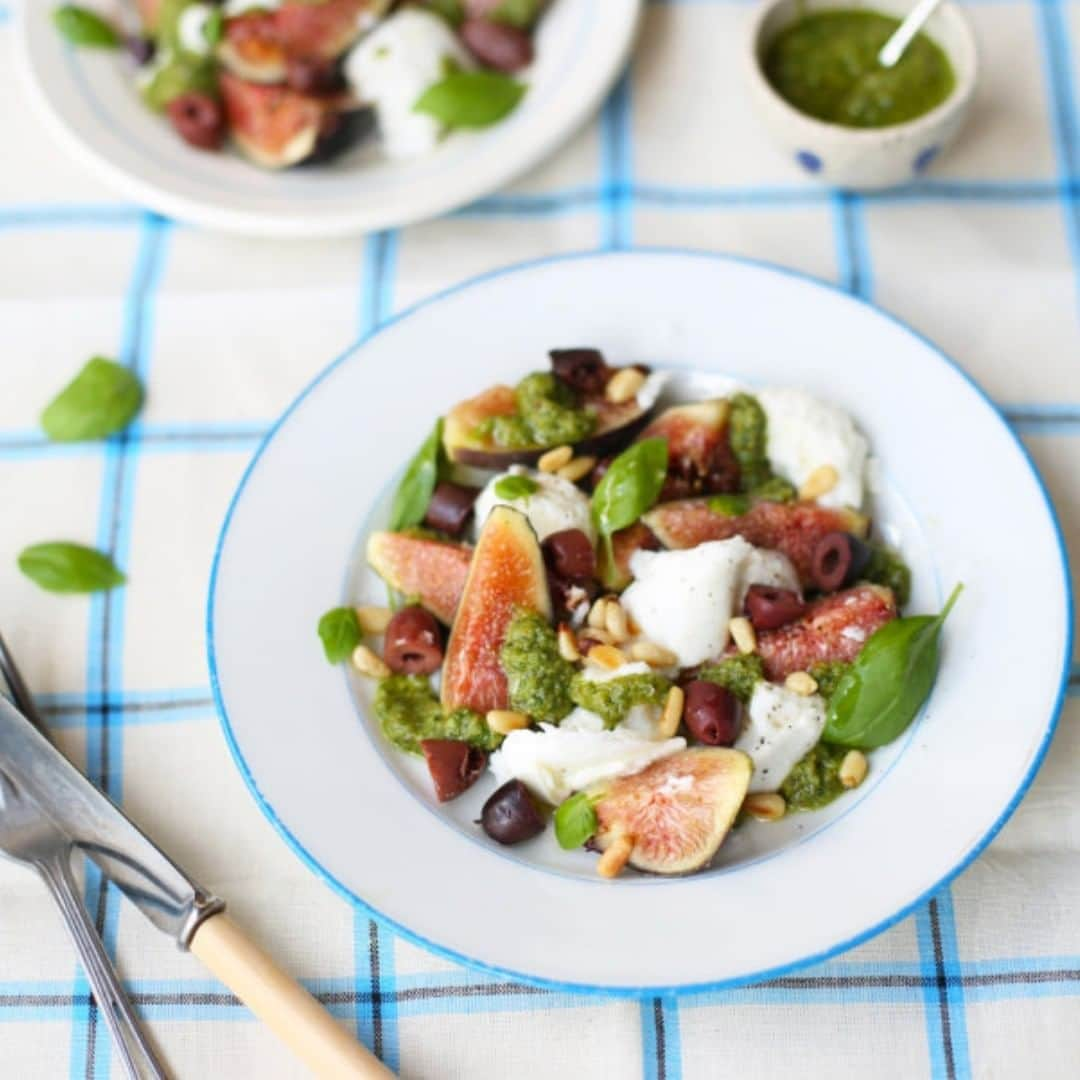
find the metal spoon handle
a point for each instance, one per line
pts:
(902, 37)
(139, 1059)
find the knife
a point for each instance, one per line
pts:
(176, 904)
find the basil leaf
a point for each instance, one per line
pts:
(515, 487)
(630, 486)
(471, 99)
(214, 27)
(84, 27)
(101, 400)
(339, 631)
(414, 492)
(69, 568)
(888, 682)
(519, 13)
(575, 820)
(729, 505)
(450, 10)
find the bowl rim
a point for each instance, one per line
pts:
(957, 101)
(987, 834)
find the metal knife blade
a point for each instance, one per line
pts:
(170, 899)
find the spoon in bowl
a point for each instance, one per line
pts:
(903, 35)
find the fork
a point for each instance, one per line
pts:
(30, 837)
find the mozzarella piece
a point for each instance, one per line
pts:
(782, 727)
(652, 388)
(684, 600)
(557, 504)
(805, 433)
(393, 66)
(191, 29)
(554, 762)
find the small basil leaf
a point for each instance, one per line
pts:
(450, 10)
(519, 13)
(339, 631)
(471, 99)
(887, 684)
(214, 27)
(575, 821)
(414, 492)
(515, 487)
(101, 400)
(630, 486)
(84, 27)
(729, 505)
(69, 568)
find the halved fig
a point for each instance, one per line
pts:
(615, 425)
(274, 126)
(251, 48)
(793, 528)
(700, 461)
(325, 29)
(454, 766)
(834, 628)
(678, 811)
(507, 572)
(615, 573)
(432, 572)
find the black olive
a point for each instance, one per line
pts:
(839, 558)
(510, 815)
(450, 507)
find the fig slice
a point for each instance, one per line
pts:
(454, 766)
(432, 572)
(700, 461)
(616, 425)
(274, 126)
(507, 572)
(676, 812)
(251, 49)
(793, 528)
(324, 30)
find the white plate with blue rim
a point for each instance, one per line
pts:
(778, 895)
(90, 100)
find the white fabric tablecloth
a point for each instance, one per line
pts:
(983, 257)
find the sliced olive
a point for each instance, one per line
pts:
(768, 607)
(839, 558)
(570, 554)
(454, 766)
(711, 713)
(413, 642)
(584, 370)
(450, 507)
(510, 815)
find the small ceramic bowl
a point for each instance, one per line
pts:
(863, 158)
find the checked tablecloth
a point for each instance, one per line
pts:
(983, 257)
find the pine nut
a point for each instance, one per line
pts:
(555, 459)
(598, 613)
(768, 806)
(672, 714)
(801, 682)
(615, 622)
(652, 654)
(606, 656)
(624, 385)
(820, 482)
(370, 663)
(577, 469)
(373, 619)
(597, 635)
(568, 647)
(742, 633)
(616, 857)
(853, 768)
(503, 721)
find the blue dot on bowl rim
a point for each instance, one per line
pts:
(924, 157)
(808, 160)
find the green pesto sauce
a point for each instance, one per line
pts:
(614, 698)
(748, 436)
(814, 781)
(409, 711)
(548, 414)
(739, 674)
(538, 677)
(826, 66)
(886, 567)
(827, 675)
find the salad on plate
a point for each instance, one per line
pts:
(649, 624)
(294, 82)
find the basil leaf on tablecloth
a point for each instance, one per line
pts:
(64, 567)
(101, 400)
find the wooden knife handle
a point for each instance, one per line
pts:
(281, 1003)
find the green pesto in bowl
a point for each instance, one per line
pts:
(825, 65)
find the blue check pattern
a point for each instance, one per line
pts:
(983, 255)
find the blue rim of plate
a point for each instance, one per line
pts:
(765, 974)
